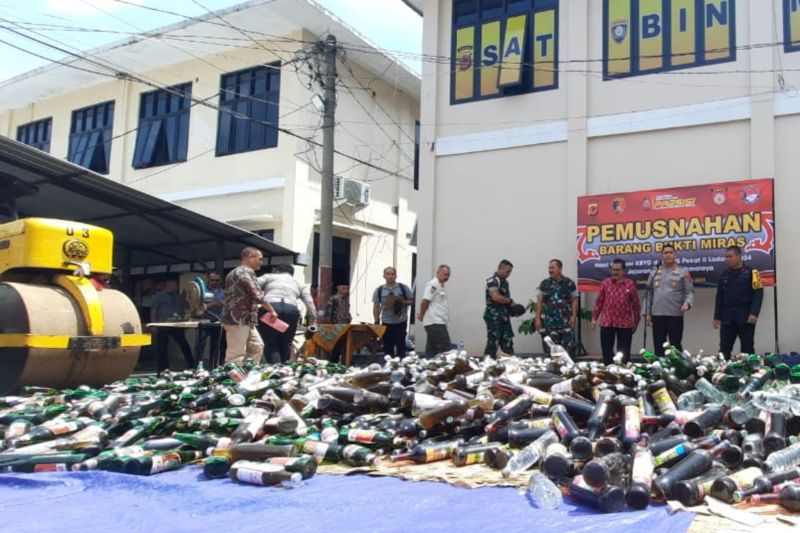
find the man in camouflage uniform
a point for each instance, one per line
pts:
(496, 315)
(669, 294)
(557, 308)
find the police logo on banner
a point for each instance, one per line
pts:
(464, 58)
(751, 194)
(619, 30)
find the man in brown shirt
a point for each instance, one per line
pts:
(239, 308)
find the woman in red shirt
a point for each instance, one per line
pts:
(617, 310)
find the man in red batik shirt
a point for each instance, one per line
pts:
(617, 310)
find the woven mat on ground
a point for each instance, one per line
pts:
(471, 476)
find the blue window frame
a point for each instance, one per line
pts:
(643, 37)
(163, 134)
(90, 136)
(36, 134)
(249, 104)
(503, 48)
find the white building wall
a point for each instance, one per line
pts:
(538, 152)
(275, 188)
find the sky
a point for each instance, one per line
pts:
(388, 23)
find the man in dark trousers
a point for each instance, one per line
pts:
(496, 315)
(166, 306)
(739, 296)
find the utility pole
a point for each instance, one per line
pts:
(326, 208)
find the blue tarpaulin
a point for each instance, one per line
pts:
(185, 501)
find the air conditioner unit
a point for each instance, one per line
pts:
(338, 188)
(356, 192)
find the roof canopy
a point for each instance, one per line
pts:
(150, 231)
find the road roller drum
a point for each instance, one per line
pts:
(46, 341)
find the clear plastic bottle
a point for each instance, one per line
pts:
(530, 454)
(542, 492)
(558, 352)
(784, 459)
(690, 400)
(775, 402)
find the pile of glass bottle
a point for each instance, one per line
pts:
(677, 427)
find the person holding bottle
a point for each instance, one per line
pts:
(557, 308)
(670, 293)
(738, 303)
(284, 293)
(616, 310)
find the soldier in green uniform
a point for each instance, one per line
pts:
(496, 315)
(557, 308)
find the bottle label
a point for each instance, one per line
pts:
(562, 387)
(664, 401)
(539, 423)
(64, 427)
(362, 436)
(437, 453)
(633, 423)
(669, 455)
(51, 467)
(164, 462)
(681, 417)
(540, 397)
(245, 475)
(470, 459)
(744, 479)
(316, 449)
(642, 471)
(560, 427)
(17, 429)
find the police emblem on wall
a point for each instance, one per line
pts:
(619, 30)
(464, 58)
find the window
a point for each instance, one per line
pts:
(90, 136)
(268, 234)
(163, 134)
(646, 36)
(503, 48)
(791, 25)
(416, 155)
(248, 116)
(36, 134)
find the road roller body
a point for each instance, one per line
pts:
(59, 326)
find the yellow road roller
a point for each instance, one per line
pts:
(59, 326)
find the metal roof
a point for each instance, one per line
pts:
(263, 20)
(154, 231)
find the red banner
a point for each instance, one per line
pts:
(699, 221)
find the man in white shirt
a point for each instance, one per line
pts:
(434, 313)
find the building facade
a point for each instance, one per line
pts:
(543, 101)
(224, 119)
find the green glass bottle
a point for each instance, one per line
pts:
(215, 467)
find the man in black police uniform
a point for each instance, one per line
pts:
(739, 297)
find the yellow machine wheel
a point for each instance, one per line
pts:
(48, 310)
